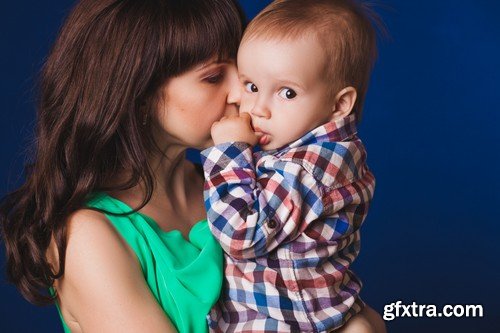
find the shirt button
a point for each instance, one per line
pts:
(272, 224)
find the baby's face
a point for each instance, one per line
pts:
(284, 88)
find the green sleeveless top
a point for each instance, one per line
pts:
(184, 276)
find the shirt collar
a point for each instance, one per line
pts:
(332, 131)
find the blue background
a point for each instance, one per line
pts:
(431, 128)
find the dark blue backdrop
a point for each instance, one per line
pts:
(431, 128)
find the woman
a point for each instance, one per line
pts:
(110, 222)
(127, 87)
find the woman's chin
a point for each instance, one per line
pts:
(206, 144)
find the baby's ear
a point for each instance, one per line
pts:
(344, 103)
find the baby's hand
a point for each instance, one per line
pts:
(234, 128)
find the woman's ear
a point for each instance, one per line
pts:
(344, 102)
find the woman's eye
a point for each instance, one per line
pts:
(287, 93)
(214, 78)
(250, 87)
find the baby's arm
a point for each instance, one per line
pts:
(251, 211)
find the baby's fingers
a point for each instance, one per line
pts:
(246, 116)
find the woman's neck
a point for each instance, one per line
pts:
(169, 170)
(177, 198)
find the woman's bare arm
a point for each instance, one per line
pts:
(103, 288)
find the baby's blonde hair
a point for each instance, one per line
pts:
(344, 28)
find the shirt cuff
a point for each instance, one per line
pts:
(232, 155)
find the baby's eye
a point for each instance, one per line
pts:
(287, 93)
(250, 87)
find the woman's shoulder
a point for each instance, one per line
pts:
(84, 220)
(101, 273)
(93, 246)
(89, 230)
(90, 235)
(85, 232)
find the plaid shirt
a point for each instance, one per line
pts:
(289, 222)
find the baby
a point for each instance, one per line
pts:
(288, 216)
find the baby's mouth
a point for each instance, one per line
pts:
(257, 129)
(263, 136)
(264, 140)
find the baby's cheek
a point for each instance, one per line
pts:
(286, 130)
(246, 105)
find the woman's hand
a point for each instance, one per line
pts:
(234, 128)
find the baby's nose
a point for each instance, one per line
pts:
(261, 111)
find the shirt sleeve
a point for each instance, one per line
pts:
(252, 209)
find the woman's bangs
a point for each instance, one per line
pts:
(210, 31)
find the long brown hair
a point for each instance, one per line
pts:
(100, 80)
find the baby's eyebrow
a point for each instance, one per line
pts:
(242, 76)
(287, 83)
